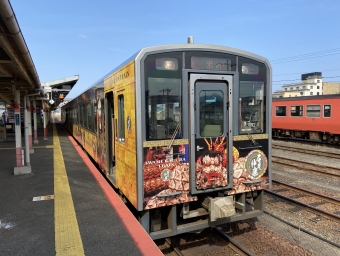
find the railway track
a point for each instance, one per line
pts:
(315, 202)
(222, 242)
(318, 168)
(308, 142)
(312, 213)
(307, 151)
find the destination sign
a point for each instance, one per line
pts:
(207, 63)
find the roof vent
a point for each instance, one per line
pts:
(190, 39)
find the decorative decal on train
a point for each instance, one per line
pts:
(211, 165)
(101, 143)
(212, 168)
(166, 176)
(256, 164)
(248, 172)
(128, 124)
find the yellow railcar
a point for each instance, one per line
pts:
(183, 133)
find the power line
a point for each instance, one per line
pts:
(300, 79)
(307, 56)
(306, 72)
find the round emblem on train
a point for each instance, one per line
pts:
(256, 164)
(165, 174)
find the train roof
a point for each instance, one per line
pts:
(328, 96)
(178, 47)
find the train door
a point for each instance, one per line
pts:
(111, 135)
(210, 132)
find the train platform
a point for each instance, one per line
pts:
(64, 206)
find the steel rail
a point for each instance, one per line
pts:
(291, 163)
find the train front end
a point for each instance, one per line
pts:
(202, 125)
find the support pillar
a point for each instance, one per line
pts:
(48, 119)
(44, 117)
(29, 123)
(19, 155)
(35, 141)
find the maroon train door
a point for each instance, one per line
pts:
(210, 132)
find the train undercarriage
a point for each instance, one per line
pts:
(307, 135)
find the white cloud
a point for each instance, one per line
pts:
(82, 36)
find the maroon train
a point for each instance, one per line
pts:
(311, 117)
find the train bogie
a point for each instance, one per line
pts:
(182, 132)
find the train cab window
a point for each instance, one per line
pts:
(327, 111)
(89, 115)
(313, 110)
(296, 111)
(280, 111)
(211, 113)
(252, 96)
(121, 119)
(251, 103)
(163, 96)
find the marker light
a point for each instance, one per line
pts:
(166, 64)
(250, 69)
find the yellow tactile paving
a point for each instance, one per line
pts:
(67, 237)
(48, 146)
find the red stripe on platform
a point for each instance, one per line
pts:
(139, 236)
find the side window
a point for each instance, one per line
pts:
(327, 111)
(95, 106)
(84, 116)
(89, 115)
(313, 111)
(281, 111)
(121, 120)
(296, 111)
(80, 114)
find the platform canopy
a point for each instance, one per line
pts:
(59, 89)
(17, 71)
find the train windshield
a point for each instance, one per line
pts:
(164, 114)
(251, 104)
(163, 96)
(252, 96)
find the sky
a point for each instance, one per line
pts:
(91, 38)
